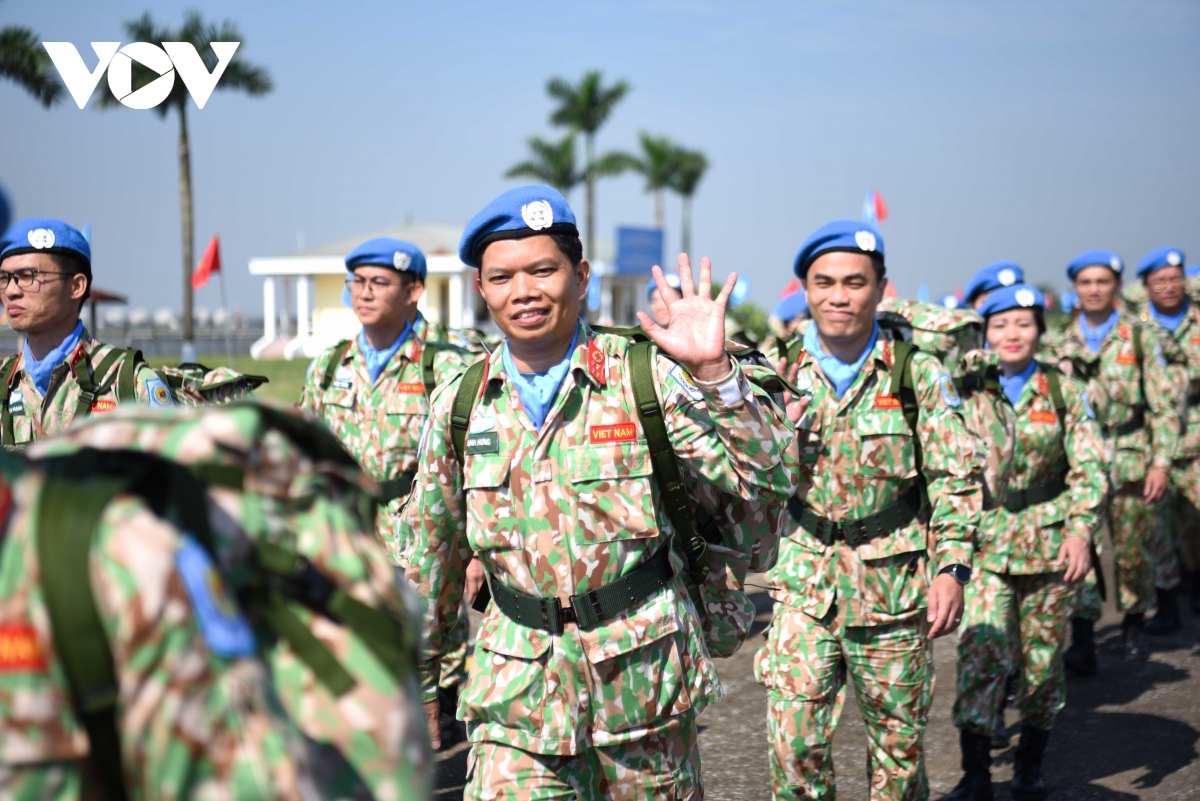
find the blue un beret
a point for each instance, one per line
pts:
(1017, 296)
(994, 276)
(1191, 270)
(46, 235)
(1159, 258)
(1096, 258)
(525, 211)
(852, 236)
(384, 251)
(791, 306)
(672, 281)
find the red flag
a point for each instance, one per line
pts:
(211, 263)
(792, 287)
(881, 210)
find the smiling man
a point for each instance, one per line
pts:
(590, 664)
(888, 505)
(61, 374)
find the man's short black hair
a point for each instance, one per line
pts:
(70, 265)
(570, 246)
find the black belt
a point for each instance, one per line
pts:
(1137, 423)
(1019, 500)
(397, 487)
(864, 529)
(588, 609)
(1193, 398)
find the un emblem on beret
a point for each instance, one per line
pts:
(537, 215)
(1115, 263)
(865, 240)
(401, 260)
(1007, 277)
(1025, 297)
(1174, 259)
(41, 238)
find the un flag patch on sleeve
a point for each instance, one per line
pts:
(158, 393)
(225, 631)
(949, 392)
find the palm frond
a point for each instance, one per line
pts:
(24, 61)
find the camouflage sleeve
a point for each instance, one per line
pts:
(730, 433)
(151, 389)
(310, 395)
(1087, 477)
(194, 723)
(449, 362)
(1165, 380)
(434, 515)
(951, 467)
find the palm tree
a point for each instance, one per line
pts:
(660, 158)
(24, 61)
(550, 163)
(585, 107)
(689, 170)
(239, 75)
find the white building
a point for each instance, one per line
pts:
(311, 282)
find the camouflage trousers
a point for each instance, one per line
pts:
(1178, 532)
(661, 767)
(804, 666)
(454, 663)
(1131, 529)
(1008, 618)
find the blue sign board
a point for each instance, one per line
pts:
(638, 249)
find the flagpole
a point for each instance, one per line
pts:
(228, 320)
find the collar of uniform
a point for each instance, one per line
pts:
(410, 350)
(416, 339)
(589, 343)
(881, 356)
(1038, 385)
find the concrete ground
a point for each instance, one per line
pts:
(1129, 733)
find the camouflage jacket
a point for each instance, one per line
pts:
(36, 417)
(1121, 394)
(857, 458)
(373, 733)
(1046, 447)
(1188, 337)
(191, 724)
(571, 508)
(380, 423)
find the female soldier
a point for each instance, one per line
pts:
(1029, 551)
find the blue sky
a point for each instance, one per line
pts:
(1022, 130)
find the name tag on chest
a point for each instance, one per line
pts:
(412, 387)
(1043, 417)
(16, 403)
(488, 442)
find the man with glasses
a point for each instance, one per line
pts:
(61, 373)
(373, 392)
(1178, 522)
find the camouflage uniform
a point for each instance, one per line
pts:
(191, 724)
(858, 610)
(368, 741)
(1121, 396)
(1017, 595)
(607, 711)
(35, 417)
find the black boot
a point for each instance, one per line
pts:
(1194, 596)
(1136, 649)
(454, 731)
(976, 784)
(1027, 783)
(1166, 617)
(1080, 658)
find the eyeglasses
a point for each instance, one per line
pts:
(377, 284)
(1163, 283)
(25, 279)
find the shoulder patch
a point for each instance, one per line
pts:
(949, 391)
(158, 393)
(225, 631)
(685, 383)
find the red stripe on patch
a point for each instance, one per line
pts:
(412, 387)
(621, 432)
(1043, 417)
(20, 649)
(887, 402)
(104, 405)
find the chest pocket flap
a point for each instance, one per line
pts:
(407, 403)
(613, 489)
(618, 460)
(885, 444)
(336, 396)
(485, 471)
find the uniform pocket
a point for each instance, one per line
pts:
(613, 486)
(794, 663)
(493, 524)
(335, 396)
(885, 445)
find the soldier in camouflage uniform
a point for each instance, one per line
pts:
(372, 393)
(287, 503)
(577, 690)
(197, 716)
(1029, 551)
(1136, 380)
(62, 374)
(1178, 530)
(886, 516)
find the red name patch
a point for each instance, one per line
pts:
(104, 405)
(621, 432)
(887, 402)
(1043, 417)
(412, 387)
(20, 649)
(1126, 358)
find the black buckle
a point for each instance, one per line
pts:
(854, 532)
(87, 397)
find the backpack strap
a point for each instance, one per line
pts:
(464, 403)
(428, 355)
(89, 392)
(67, 516)
(902, 387)
(7, 368)
(794, 349)
(339, 352)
